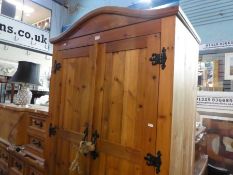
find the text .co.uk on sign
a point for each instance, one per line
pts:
(18, 33)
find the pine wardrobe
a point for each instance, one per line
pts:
(125, 80)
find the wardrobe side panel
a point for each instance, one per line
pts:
(184, 101)
(165, 94)
(54, 105)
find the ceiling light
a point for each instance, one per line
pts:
(145, 1)
(17, 17)
(20, 6)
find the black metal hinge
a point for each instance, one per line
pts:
(154, 161)
(56, 66)
(52, 130)
(95, 136)
(159, 58)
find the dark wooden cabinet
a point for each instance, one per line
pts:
(106, 79)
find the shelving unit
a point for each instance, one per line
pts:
(43, 24)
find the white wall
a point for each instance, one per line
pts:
(13, 54)
(59, 15)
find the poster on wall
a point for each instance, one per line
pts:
(23, 35)
(229, 66)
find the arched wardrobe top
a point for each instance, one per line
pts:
(109, 17)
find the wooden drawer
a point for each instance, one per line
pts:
(36, 142)
(17, 166)
(14, 171)
(3, 169)
(4, 157)
(33, 171)
(35, 146)
(37, 123)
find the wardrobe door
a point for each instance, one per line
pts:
(125, 110)
(75, 116)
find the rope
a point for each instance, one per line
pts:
(83, 149)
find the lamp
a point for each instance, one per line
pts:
(27, 73)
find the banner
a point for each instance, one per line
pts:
(217, 45)
(215, 100)
(20, 34)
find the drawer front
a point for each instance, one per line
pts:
(3, 170)
(36, 142)
(13, 171)
(33, 171)
(17, 166)
(37, 123)
(4, 156)
(35, 146)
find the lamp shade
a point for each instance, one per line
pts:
(27, 72)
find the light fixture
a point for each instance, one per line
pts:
(17, 17)
(146, 1)
(161, 7)
(27, 74)
(21, 6)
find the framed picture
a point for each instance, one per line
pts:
(229, 66)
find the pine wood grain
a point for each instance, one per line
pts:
(184, 100)
(126, 32)
(13, 126)
(76, 107)
(54, 105)
(166, 95)
(109, 84)
(112, 17)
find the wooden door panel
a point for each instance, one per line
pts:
(116, 166)
(62, 156)
(78, 79)
(112, 115)
(65, 157)
(76, 93)
(74, 53)
(121, 98)
(123, 85)
(129, 112)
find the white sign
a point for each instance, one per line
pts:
(217, 45)
(215, 100)
(20, 34)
